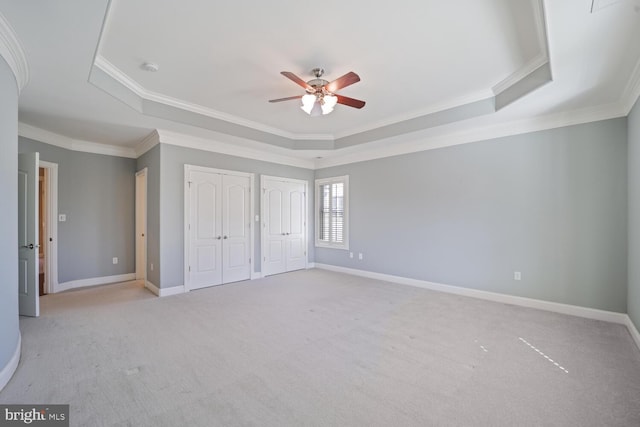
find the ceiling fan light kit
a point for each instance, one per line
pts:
(320, 98)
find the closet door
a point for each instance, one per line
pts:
(205, 229)
(295, 239)
(275, 221)
(284, 226)
(236, 227)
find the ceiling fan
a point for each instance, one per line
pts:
(321, 97)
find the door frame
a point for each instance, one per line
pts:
(51, 250)
(187, 214)
(263, 240)
(141, 173)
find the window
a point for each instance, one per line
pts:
(332, 212)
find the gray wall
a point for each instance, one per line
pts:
(151, 161)
(633, 297)
(550, 204)
(173, 159)
(9, 328)
(97, 194)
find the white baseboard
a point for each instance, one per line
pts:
(164, 292)
(633, 331)
(73, 284)
(7, 372)
(573, 310)
(256, 275)
(311, 265)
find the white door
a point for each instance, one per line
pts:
(205, 230)
(284, 226)
(295, 241)
(236, 227)
(141, 225)
(29, 303)
(274, 226)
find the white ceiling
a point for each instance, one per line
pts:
(220, 64)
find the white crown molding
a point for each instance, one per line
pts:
(119, 76)
(32, 132)
(632, 89)
(147, 143)
(12, 52)
(423, 143)
(537, 61)
(266, 155)
(432, 109)
(532, 65)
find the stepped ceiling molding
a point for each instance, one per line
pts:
(433, 73)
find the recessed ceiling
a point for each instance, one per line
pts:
(427, 68)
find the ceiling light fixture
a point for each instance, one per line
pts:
(321, 101)
(320, 98)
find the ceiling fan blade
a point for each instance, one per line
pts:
(298, 80)
(351, 102)
(289, 98)
(344, 81)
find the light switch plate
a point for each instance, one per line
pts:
(62, 217)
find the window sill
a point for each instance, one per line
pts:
(330, 246)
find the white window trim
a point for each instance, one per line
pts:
(346, 228)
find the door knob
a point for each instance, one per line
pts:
(284, 234)
(224, 237)
(288, 234)
(29, 246)
(219, 237)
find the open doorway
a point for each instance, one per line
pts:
(42, 228)
(141, 225)
(48, 227)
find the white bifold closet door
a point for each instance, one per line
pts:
(219, 229)
(284, 226)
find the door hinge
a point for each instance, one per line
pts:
(189, 268)
(249, 260)
(189, 182)
(264, 259)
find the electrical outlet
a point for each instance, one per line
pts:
(62, 217)
(115, 259)
(350, 254)
(360, 256)
(517, 275)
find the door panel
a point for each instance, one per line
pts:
(141, 225)
(284, 226)
(205, 228)
(296, 256)
(236, 222)
(273, 260)
(29, 302)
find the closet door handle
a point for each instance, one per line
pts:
(219, 237)
(225, 237)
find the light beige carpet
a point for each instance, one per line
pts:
(316, 348)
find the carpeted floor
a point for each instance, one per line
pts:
(317, 348)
